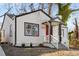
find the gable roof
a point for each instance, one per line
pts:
(34, 12)
(12, 15)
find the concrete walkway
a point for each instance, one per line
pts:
(1, 52)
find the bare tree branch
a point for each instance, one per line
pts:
(32, 7)
(49, 8)
(6, 12)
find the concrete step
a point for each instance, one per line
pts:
(61, 46)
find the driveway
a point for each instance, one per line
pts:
(1, 52)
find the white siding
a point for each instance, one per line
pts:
(55, 30)
(6, 28)
(64, 35)
(55, 38)
(37, 18)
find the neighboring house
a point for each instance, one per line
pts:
(34, 28)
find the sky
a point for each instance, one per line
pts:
(70, 25)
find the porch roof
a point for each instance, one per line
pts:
(54, 20)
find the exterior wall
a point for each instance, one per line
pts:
(13, 31)
(55, 40)
(55, 30)
(64, 35)
(6, 27)
(55, 34)
(37, 18)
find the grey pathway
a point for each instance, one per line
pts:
(1, 52)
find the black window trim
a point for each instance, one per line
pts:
(31, 35)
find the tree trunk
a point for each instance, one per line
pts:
(32, 7)
(59, 8)
(49, 8)
(76, 25)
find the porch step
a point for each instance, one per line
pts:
(48, 45)
(61, 46)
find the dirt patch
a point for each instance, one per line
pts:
(37, 51)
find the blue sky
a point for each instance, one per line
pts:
(73, 16)
(3, 9)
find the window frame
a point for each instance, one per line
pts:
(31, 29)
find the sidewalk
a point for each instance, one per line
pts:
(1, 52)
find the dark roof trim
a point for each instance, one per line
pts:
(54, 21)
(25, 14)
(10, 15)
(29, 13)
(59, 20)
(47, 15)
(33, 12)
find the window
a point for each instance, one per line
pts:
(10, 30)
(31, 29)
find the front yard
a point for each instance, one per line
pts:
(37, 51)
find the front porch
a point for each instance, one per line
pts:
(52, 35)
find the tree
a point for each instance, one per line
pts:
(23, 7)
(41, 6)
(49, 8)
(65, 11)
(32, 7)
(70, 34)
(20, 8)
(6, 12)
(76, 29)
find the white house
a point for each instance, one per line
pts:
(34, 28)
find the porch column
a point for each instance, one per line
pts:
(50, 31)
(48, 24)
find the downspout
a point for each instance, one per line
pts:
(15, 31)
